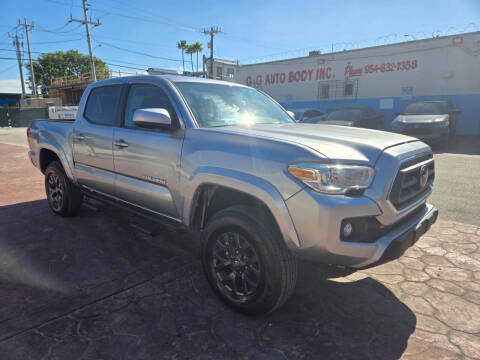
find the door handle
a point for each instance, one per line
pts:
(79, 137)
(121, 143)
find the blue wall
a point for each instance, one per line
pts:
(468, 122)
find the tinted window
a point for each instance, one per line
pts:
(426, 108)
(345, 115)
(312, 113)
(145, 97)
(102, 104)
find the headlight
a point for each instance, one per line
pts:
(441, 121)
(333, 178)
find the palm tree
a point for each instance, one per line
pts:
(191, 51)
(182, 45)
(198, 48)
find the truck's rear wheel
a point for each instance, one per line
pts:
(63, 197)
(246, 261)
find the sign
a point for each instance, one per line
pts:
(62, 112)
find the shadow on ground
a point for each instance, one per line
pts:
(461, 144)
(93, 287)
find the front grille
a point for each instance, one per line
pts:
(419, 131)
(408, 186)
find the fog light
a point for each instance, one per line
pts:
(347, 229)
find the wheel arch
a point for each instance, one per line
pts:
(221, 188)
(49, 153)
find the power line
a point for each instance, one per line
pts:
(137, 52)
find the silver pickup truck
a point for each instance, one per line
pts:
(228, 162)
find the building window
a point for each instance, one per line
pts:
(219, 72)
(348, 89)
(324, 92)
(230, 73)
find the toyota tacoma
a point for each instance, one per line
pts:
(226, 161)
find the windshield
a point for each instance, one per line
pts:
(215, 105)
(426, 108)
(345, 115)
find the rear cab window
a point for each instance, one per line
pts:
(102, 105)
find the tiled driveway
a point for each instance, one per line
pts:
(92, 287)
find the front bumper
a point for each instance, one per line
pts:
(318, 217)
(422, 131)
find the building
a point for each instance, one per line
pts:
(383, 77)
(70, 88)
(222, 69)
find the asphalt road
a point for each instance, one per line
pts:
(457, 184)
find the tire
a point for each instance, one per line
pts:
(63, 197)
(264, 270)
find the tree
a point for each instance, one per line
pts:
(191, 51)
(58, 64)
(198, 48)
(182, 45)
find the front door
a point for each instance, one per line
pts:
(92, 139)
(147, 162)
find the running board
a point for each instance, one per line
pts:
(146, 214)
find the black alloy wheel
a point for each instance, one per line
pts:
(236, 266)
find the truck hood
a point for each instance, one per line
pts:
(420, 119)
(337, 143)
(337, 122)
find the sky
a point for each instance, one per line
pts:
(136, 35)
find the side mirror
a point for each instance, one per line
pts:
(397, 113)
(291, 113)
(153, 118)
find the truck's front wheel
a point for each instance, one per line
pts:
(63, 197)
(246, 261)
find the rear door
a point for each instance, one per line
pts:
(92, 139)
(147, 162)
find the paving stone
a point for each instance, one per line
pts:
(447, 273)
(476, 275)
(413, 252)
(429, 323)
(437, 340)
(436, 260)
(390, 268)
(454, 311)
(389, 279)
(412, 263)
(434, 251)
(447, 286)
(414, 288)
(415, 275)
(463, 261)
(469, 285)
(469, 344)
(473, 297)
(460, 248)
(419, 305)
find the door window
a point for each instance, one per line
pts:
(145, 97)
(102, 105)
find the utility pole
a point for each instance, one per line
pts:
(29, 27)
(212, 31)
(87, 22)
(17, 45)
